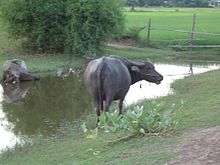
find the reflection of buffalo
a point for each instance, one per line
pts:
(109, 78)
(15, 71)
(15, 92)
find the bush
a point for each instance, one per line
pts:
(40, 24)
(151, 119)
(91, 22)
(75, 26)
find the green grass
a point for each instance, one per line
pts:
(207, 20)
(200, 98)
(166, 55)
(45, 63)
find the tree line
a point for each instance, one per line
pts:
(169, 3)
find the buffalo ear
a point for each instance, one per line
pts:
(135, 69)
(137, 63)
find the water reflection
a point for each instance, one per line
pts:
(48, 106)
(7, 138)
(14, 93)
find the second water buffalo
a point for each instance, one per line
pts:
(15, 71)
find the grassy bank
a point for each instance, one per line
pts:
(199, 97)
(48, 63)
(41, 64)
(44, 64)
(166, 55)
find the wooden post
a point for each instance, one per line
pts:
(192, 34)
(132, 7)
(148, 32)
(191, 40)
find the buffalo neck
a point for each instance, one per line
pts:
(135, 77)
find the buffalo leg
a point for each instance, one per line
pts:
(108, 102)
(120, 105)
(97, 108)
(102, 106)
(98, 115)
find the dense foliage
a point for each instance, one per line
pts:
(75, 26)
(91, 21)
(151, 119)
(179, 3)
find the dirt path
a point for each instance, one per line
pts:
(201, 147)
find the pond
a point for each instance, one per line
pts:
(52, 105)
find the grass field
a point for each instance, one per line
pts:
(199, 96)
(207, 20)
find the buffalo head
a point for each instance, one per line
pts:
(145, 71)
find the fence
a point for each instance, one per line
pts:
(190, 40)
(191, 35)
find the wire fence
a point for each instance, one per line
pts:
(188, 42)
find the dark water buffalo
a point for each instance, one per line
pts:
(15, 71)
(109, 78)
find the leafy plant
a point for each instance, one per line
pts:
(151, 119)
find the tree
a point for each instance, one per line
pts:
(78, 27)
(91, 21)
(180, 3)
(132, 4)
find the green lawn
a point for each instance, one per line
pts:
(200, 98)
(207, 20)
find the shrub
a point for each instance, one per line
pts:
(133, 32)
(151, 119)
(40, 24)
(91, 21)
(75, 26)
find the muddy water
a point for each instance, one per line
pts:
(45, 108)
(52, 105)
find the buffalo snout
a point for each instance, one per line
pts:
(159, 79)
(154, 77)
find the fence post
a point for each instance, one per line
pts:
(148, 32)
(192, 34)
(191, 40)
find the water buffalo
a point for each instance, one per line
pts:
(15, 71)
(109, 78)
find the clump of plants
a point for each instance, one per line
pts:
(148, 119)
(132, 37)
(133, 32)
